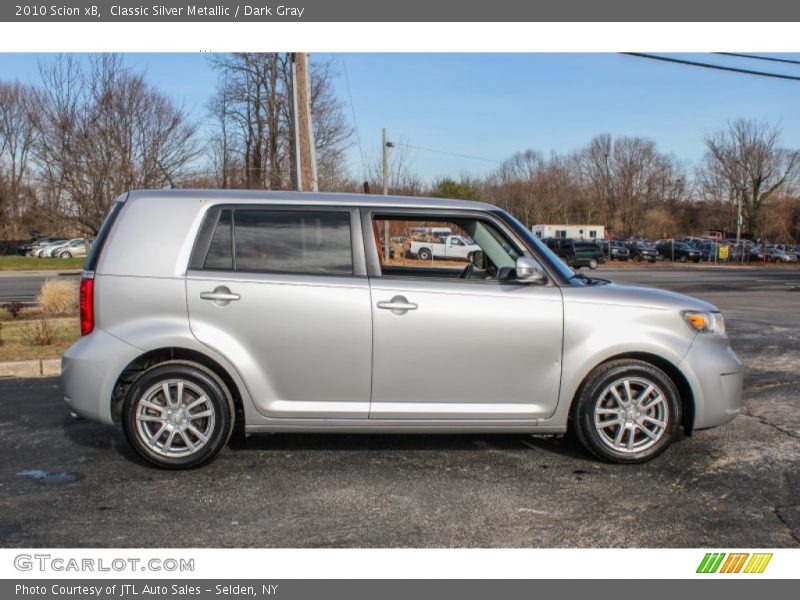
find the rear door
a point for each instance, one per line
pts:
(282, 294)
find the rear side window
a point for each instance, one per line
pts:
(100, 240)
(220, 252)
(281, 241)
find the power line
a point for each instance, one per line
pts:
(353, 110)
(491, 160)
(756, 57)
(693, 63)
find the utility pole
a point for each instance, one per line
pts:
(385, 148)
(385, 145)
(305, 155)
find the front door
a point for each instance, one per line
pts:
(460, 340)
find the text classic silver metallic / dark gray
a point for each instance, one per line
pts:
(329, 312)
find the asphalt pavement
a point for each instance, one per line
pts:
(24, 287)
(66, 483)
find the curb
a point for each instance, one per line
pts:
(49, 367)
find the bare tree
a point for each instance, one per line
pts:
(748, 157)
(255, 125)
(628, 176)
(17, 135)
(104, 130)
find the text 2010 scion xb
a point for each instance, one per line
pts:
(287, 312)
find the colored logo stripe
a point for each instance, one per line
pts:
(734, 562)
(758, 563)
(712, 562)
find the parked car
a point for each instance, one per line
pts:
(576, 253)
(24, 248)
(680, 251)
(44, 251)
(614, 250)
(451, 247)
(276, 311)
(28, 248)
(790, 249)
(642, 250)
(757, 252)
(75, 247)
(778, 255)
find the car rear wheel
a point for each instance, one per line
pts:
(178, 415)
(424, 254)
(593, 264)
(66, 254)
(628, 411)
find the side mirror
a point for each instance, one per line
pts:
(529, 270)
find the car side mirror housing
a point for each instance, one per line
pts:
(529, 270)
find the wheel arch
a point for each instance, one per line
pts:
(673, 372)
(157, 356)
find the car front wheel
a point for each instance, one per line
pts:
(177, 415)
(628, 411)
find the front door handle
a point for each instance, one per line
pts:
(221, 296)
(398, 305)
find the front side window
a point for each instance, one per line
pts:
(409, 247)
(282, 241)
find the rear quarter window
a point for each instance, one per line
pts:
(97, 246)
(275, 241)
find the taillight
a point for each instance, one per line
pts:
(87, 305)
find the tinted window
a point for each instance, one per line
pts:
(100, 240)
(279, 241)
(220, 252)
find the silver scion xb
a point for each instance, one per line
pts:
(280, 312)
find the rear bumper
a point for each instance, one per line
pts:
(715, 374)
(89, 372)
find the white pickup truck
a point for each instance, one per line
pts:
(452, 247)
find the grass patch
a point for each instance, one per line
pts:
(31, 263)
(20, 344)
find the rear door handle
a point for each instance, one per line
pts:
(221, 296)
(398, 305)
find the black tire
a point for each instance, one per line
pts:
(424, 254)
(593, 396)
(637, 258)
(65, 254)
(593, 264)
(683, 258)
(198, 380)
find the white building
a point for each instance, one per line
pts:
(578, 232)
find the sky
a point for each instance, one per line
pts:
(489, 106)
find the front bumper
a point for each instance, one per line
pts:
(715, 375)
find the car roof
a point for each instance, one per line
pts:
(310, 198)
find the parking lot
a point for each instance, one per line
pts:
(67, 483)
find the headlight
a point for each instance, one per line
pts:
(705, 322)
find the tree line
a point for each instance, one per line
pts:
(92, 129)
